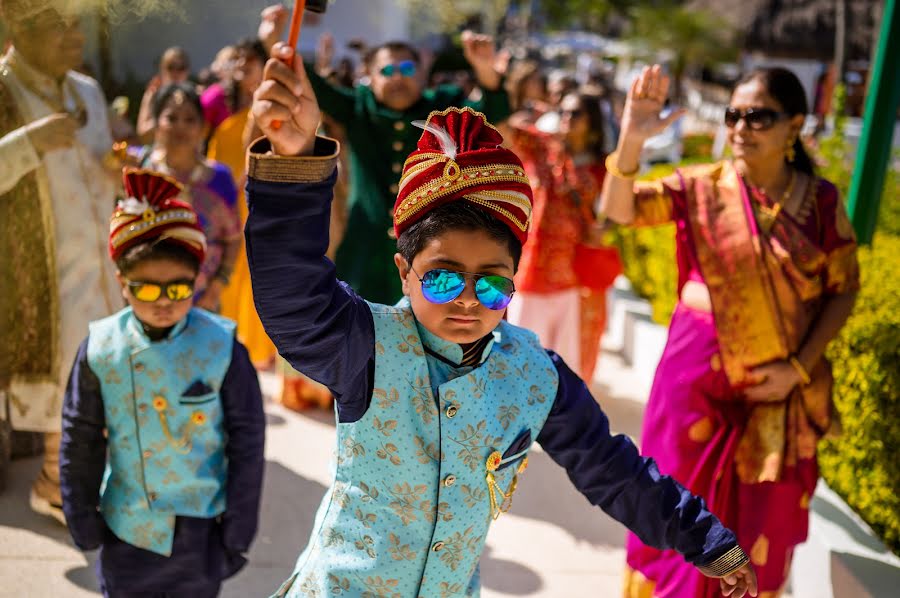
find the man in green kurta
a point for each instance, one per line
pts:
(377, 120)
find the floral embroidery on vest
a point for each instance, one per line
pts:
(410, 506)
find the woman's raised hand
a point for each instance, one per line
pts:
(285, 107)
(641, 118)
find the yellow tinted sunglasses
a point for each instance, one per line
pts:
(148, 292)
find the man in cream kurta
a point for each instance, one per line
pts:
(56, 155)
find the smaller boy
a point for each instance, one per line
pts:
(161, 460)
(439, 401)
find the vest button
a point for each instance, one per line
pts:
(397, 146)
(151, 496)
(399, 125)
(394, 188)
(449, 480)
(452, 410)
(139, 367)
(438, 546)
(396, 167)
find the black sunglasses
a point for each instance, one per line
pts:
(758, 119)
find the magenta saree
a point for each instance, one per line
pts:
(754, 463)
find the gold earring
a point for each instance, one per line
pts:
(789, 153)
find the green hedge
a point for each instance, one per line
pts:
(648, 257)
(862, 465)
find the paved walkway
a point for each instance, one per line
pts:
(551, 544)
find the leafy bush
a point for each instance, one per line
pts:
(862, 465)
(698, 145)
(648, 257)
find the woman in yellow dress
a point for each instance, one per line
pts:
(227, 145)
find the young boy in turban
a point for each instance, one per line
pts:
(438, 399)
(163, 429)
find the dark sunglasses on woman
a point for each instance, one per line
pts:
(758, 119)
(407, 68)
(148, 292)
(443, 286)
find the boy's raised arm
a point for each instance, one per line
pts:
(318, 324)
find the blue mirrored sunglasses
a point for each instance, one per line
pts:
(407, 68)
(443, 286)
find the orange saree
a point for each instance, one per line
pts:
(768, 271)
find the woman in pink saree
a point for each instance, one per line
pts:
(767, 277)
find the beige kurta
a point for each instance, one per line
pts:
(80, 196)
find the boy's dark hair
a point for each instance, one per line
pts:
(166, 92)
(393, 46)
(456, 215)
(157, 250)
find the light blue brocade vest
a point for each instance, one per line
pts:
(166, 443)
(410, 506)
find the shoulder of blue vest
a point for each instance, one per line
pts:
(379, 309)
(513, 332)
(510, 333)
(116, 319)
(203, 317)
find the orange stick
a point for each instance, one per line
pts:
(296, 22)
(293, 38)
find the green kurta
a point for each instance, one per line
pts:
(380, 140)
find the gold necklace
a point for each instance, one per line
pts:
(765, 216)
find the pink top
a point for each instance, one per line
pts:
(215, 105)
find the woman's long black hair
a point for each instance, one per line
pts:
(786, 89)
(591, 104)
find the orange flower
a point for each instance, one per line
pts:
(198, 418)
(160, 403)
(493, 461)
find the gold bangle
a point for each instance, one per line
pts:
(804, 375)
(726, 564)
(612, 167)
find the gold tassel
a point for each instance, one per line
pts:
(499, 507)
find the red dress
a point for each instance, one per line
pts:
(565, 189)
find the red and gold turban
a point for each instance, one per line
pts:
(151, 212)
(459, 157)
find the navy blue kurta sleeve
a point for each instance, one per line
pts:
(82, 457)
(610, 472)
(320, 325)
(245, 425)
